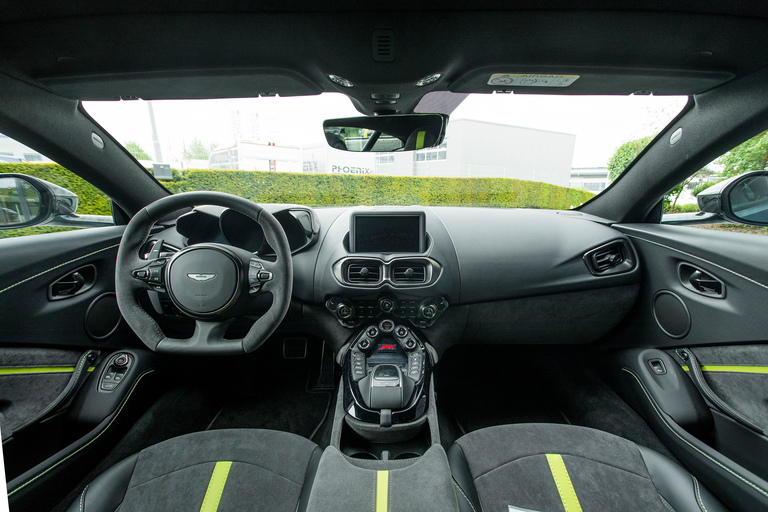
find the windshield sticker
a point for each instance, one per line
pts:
(532, 80)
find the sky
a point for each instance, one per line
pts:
(600, 124)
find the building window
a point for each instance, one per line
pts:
(33, 157)
(427, 155)
(385, 159)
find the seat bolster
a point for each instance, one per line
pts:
(677, 486)
(466, 494)
(107, 491)
(309, 479)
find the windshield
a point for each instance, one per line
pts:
(500, 150)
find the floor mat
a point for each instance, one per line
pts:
(502, 385)
(291, 409)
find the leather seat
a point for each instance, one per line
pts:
(545, 467)
(224, 470)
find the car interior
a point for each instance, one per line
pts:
(207, 352)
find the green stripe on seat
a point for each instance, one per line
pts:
(382, 491)
(420, 140)
(32, 370)
(216, 486)
(731, 368)
(563, 483)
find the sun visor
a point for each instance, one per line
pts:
(198, 84)
(587, 81)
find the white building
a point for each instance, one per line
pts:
(13, 152)
(470, 149)
(592, 179)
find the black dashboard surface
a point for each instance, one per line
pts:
(487, 264)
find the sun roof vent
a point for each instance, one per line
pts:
(363, 272)
(613, 258)
(384, 45)
(416, 273)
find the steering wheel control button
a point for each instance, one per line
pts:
(410, 344)
(372, 331)
(358, 365)
(264, 276)
(142, 275)
(203, 280)
(364, 344)
(401, 332)
(255, 264)
(387, 326)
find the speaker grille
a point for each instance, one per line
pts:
(671, 314)
(103, 317)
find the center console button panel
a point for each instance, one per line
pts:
(421, 313)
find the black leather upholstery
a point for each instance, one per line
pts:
(269, 470)
(499, 467)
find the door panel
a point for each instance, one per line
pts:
(703, 292)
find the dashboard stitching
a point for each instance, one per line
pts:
(57, 266)
(702, 259)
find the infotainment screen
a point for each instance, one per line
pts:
(387, 232)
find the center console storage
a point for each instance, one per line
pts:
(385, 451)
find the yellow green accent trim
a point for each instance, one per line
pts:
(33, 370)
(731, 368)
(382, 491)
(216, 486)
(563, 483)
(420, 140)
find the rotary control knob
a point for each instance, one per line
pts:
(372, 331)
(410, 344)
(345, 310)
(364, 344)
(121, 361)
(401, 332)
(387, 305)
(387, 326)
(428, 311)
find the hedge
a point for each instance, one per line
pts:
(347, 190)
(323, 190)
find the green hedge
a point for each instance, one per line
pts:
(322, 190)
(344, 190)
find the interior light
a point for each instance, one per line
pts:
(428, 80)
(341, 81)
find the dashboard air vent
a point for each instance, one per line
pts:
(363, 273)
(613, 258)
(409, 273)
(607, 258)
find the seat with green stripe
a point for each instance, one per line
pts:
(547, 467)
(218, 470)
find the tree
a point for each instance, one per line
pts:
(625, 155)
(670, 200)
(751, 155)
(136, 150)
(195, 151)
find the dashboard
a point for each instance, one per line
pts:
(459, 275)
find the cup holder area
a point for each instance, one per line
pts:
(354, 446)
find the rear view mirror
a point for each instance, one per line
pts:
(741, 199)
(26, 201)
(406, 132)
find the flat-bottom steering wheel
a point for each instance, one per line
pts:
(210, 283)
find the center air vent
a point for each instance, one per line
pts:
(368, 272)
(409, 273)
(613, 258)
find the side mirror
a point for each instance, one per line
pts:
(406, 132)
(26, 201)
(742, 199)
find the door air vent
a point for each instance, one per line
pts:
(613, 258)
(364, 272)
(384, 45)
(409, 273)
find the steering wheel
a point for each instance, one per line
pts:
(210, 283)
